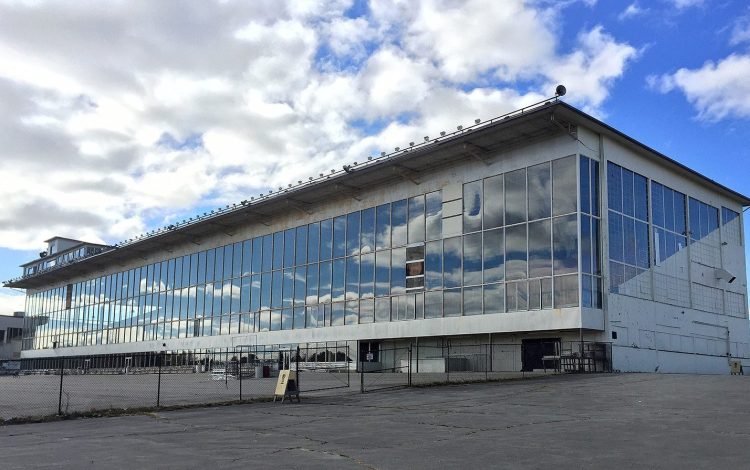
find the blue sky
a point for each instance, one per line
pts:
(121, 117)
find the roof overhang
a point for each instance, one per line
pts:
(516, 129)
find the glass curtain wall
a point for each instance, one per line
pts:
(518, 251)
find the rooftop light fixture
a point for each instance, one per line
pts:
(382, 154)
(369, 159)
(398, 148)
(411, 144)
(477, 121)
(426, 138)
(442, 133)
(459, 127)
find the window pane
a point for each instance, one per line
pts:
(493, 202)
(366, 311)
(416, 219)
(278, 250)
(472, 206)
(452, 262)
(352, 313)
(352, 234)
(540, 191)
(565, 243)
(433, 304)
(383, 273)
(494, 298)
(257, 255)
(628, 202)
(616, 242)
(473, 259)
(586, 245)
(535, 294)
(515, 252)
(338, 281)
(383, 309)
(247, 256)
(313, 242)
(640, 195)
(398, 221)
(325, 282)
(339, 236)
(679, 213)
(566, 291)
(277, 285)
(352, 278)
(300, 275)
(236, 260)
(383, 226)
(337, 313)
(433, 265)
(540, 251)
(585, 195)
(398, 271)
(614, 186)
(452, 303)
(564, 186)
(267, 253)
(311, 297)
(288, 288)
(326, 239)
(628, 236)
(494, 256)
(473, 301)
(367, 276)
(368, 231)
(289, 244)
(301, 245)
(434, 215)
(515, 197)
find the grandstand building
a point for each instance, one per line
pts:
(543, 226)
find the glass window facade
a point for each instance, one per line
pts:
(518, 251)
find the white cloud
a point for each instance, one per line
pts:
(117, 116)
(682, 4)
(717, 90)
(631, 11)
(740, 31)
(590, 70)
(11, 301)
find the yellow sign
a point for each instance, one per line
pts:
(281, 385)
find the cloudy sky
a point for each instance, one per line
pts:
(119, 117)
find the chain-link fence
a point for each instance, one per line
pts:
(420, 365)
(81, 385)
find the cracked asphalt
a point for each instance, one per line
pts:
(614, 420)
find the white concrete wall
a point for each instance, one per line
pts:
(662, 330)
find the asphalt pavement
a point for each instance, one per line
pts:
(569, 421)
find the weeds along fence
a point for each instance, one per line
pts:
(82, 385)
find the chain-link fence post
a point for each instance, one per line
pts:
(59, 396)
(448, 364)
(160, 359)
(296, 371)
(239, 371)
(408, 370)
